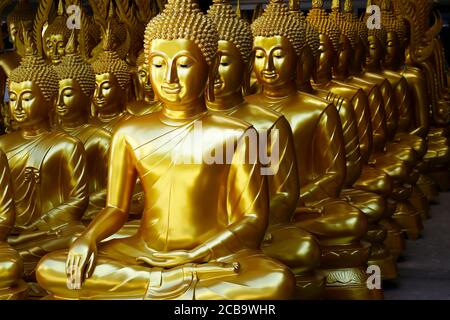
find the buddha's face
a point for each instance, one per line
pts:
(231, 69)
(327, 55)
(71, 100)
(374, 52)
(145, 90)
(55, 45)
(392, 49)
(27, 103)
(13, 30)
(178, 71)
(108, 94)
(275, 60)
(344, 56)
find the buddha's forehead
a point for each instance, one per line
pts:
(105, 77)
(175, 48)
(68, 83)
(23, 86)
(269, 43)
(229, 48)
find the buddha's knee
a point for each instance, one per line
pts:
(50, 271)
(374, 180)
(296, 248)
(11, 269)
(351, 224)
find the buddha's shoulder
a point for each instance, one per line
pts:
(222, 121)
(259, 116)
(90, 132)
(61, 140)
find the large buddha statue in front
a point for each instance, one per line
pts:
(188, 246)
(48, 169)
(11, 266)
(320, 152)
(284, 241)
(76, 88)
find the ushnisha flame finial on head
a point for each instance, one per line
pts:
(74, 67)
(59, 24)
(319, 19)
(34, 68)
(109, 61)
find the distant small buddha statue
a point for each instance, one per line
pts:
(21, 16)
(76, 88)
(320, 152)
(56, 36)
(144, 97)
(11, 266)
(48, 169)
(112, 78)
(284, 241)
(203, 224)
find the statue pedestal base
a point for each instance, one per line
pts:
(309, 287)
(18, 292)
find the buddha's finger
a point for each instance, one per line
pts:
(90, 267)
(69, 265)
(75, 270)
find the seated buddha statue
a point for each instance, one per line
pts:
(365, 187)
(21, 16)
(48, 169)
(56, 36)
(417, 121)
(144, 97)
(188, 246)
(76, 88)
(284, 241)
(112, 80)
(320, 153)
(11, 266)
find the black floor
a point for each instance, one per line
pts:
(425, 267)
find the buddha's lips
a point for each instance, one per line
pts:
(218, 84)
(61, 109)
(171, 89)
(100, 102)
(269, 74)
(20, 115)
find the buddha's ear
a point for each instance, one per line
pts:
(248, 75)
(212, 74)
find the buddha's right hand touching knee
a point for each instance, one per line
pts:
(80, 262)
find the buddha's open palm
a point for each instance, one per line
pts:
(80, 262)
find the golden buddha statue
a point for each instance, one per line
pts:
(365, 187)
(11, 266)
(48, 169)
(21, 16)
(187, 246)
(56, 36)
(144, 96)
(76, 88)
(320, 152)
(112, 80)
(284, 241)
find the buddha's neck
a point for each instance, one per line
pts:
(35, 129)
(108, 114)
(184, 111)
(226, 102)
(374, 66)
(324, 75)
(74, 123)
(306, 87)
(280, 91)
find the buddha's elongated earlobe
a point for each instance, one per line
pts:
(246, 88)
(212, 74)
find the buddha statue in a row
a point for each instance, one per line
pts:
(320, 152)
(76, 89)
(11, 266)
(48, 169)
(284, 241)
(187, 246)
